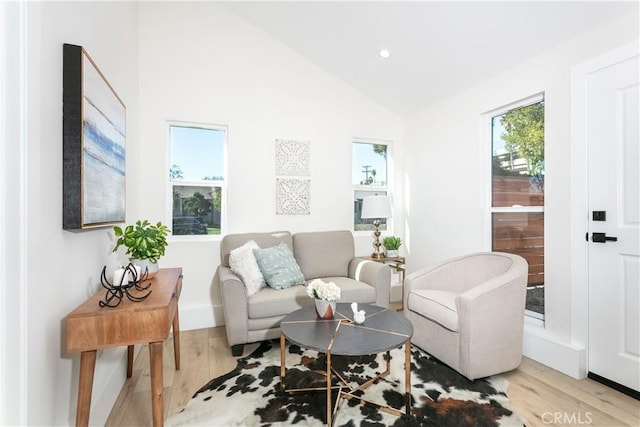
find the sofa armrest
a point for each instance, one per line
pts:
(235, 306)
(375, 274)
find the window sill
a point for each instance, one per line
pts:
(195, 238)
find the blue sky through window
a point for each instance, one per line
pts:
(199, 152)
(497, 131)
(363, 155)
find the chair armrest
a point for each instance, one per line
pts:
(375, 274)
(492, 314)
(235, 306)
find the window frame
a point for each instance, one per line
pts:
(487, 176)
(197, 183)
(382, 189)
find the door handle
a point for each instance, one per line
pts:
(602, 238)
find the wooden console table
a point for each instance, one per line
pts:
(90, 328)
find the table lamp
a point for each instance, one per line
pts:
(376, 207)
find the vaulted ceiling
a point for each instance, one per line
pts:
(436, 47)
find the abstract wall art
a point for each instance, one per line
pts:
(94, 137)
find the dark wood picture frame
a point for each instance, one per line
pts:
(94, 142)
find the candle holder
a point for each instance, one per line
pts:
(131, 278)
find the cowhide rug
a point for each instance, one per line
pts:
(251, 395)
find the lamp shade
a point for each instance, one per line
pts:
(376, 207)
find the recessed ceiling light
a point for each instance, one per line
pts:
(384, 53)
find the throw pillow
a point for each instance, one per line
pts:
(279, 267)
(243, 264)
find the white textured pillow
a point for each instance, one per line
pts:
(243, 263)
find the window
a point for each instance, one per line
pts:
(369, 178)
(517, 189)
(196, 178)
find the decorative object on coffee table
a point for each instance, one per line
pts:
(376, 207)
(145, 243)
(358, 315)
(325, 309)
(325, 295)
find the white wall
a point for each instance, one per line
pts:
(52, 271)
(201, 63)
(448, 185)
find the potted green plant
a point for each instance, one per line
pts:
(392, 244)
(145, 243)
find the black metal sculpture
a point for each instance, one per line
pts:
(130, 279)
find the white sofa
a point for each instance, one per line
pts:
(468, 312)
(328, 255)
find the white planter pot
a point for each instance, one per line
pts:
(325, 309)
(392, 253)
(146, 265)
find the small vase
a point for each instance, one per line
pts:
(392, 253)
(325, 309)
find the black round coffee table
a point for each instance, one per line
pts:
(382, 331)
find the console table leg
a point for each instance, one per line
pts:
(129, 360)
(85, 386)
(155, 356)
(176, 339)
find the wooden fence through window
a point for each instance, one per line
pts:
(520, 233)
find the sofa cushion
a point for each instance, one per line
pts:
(353, 290)
(437, 306)
(324, 253)
(279, 268)
(243, 264)
(271, 302)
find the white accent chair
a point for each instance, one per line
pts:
(468, 311)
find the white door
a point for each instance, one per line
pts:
(614, 209)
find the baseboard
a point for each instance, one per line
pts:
(546, 348)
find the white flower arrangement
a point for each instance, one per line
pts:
(323, 290)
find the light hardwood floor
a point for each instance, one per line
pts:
(540, 395)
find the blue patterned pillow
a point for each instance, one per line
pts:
(279, 267)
